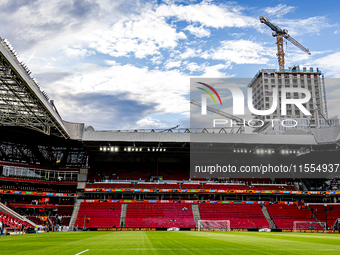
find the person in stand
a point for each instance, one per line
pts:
(22, 229)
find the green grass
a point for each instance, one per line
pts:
(183, 242)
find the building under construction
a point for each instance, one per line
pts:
(267, 79)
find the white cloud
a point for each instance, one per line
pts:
(329, 64)
(214, 71)
(148, 122)
(209, 15)
(171, 64)
(241, 52)
(77, 51)
(156, 60)
(190, 53)
(237, 35)
(279, 10)
(165, 90)
(142, 35)
(312, 25)
(198, 31)
(194, 67)
(336, 32)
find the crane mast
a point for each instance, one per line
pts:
(280, 34)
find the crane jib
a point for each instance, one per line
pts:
(280, 34)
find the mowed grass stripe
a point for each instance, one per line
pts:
(183, 242)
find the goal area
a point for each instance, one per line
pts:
(214, 225)
(309, 225)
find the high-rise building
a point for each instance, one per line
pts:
(264, 82)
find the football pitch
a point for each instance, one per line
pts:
(162, 242)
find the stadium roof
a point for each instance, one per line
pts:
(22, 103)
(114, 136)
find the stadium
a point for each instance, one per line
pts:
(66, 188)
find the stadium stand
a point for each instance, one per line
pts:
(98, 215)
(329, 213)
(159, 216)
(284, 215)
(240, 215)
(12, 222)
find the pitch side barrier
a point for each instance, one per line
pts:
(215, 230)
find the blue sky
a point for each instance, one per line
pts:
(127, 64)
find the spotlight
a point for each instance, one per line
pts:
(112, 148)
(262, 151)
(161, 149)
(148, 149)
(140, 149)
(164, 149)
(153, 149)
(124, 148)
(116, 149)
(104, 148)
(234, 150)
(257, 151)
(129, 149)
(245, 150)
(101, 148)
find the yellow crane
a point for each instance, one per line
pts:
(280, 34)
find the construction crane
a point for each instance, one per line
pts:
(224, 114)
(280, 34)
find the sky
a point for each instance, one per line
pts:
(120, 65)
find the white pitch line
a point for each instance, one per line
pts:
(193, 249)
(82, 252)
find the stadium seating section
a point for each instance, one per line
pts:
(329, 213)
(11, 222)
(284, 215)
(159, 215)
(98, 215)
(240, 215)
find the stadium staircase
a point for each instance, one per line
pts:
(13, 213)
(75, 214)
(50, 221)
(314, 215)
(304, 184)
(296, 185)
(267, 215)
(196, 213)
(123, 216)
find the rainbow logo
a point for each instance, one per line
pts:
(207, 91)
